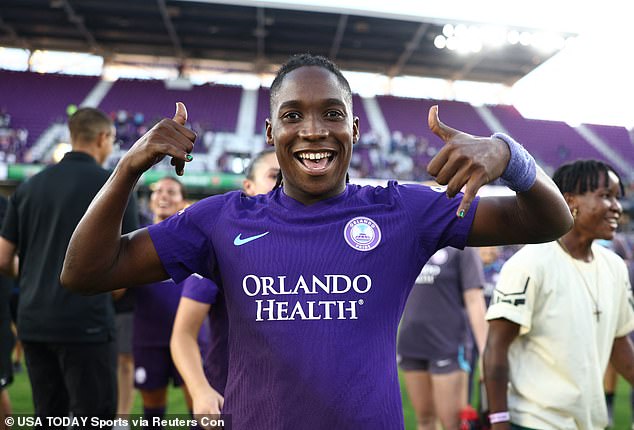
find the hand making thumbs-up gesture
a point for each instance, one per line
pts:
(465, 160)
(167, 137)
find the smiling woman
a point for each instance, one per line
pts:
(313, 127)
(324, 357)
(548, 291)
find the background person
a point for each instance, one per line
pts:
(7, 341)
(201, 299)
(67, 338)
(434, 343)
(154, 312)
(539, 373)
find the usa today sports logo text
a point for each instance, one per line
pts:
(131, 421)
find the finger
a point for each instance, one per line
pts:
(181, 114)
(438, 127)
(471, 189)
(457, 180)
(179, 165)
(180, 136)
(178, 156)
(437, 163)
(452, 171)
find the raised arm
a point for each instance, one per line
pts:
(99, 258)
(537, 212)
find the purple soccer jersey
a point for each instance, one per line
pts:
(215, 354)
(154, 312)
(314, 295)
(434, 323)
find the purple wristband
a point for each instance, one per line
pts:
(521, 172)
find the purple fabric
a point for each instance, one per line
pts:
(154, 313)
(435, 323)
(313, 312)
(154, 368)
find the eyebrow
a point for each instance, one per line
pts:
(293, 103)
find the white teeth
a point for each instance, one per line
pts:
(313, 156)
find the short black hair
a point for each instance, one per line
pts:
(307, 60)
(86, 124)
(248, 172)
(581, 176)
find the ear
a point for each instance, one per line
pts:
(269, 132)
(571, 199)
(246, 186)
(355, 130)
(101, 139)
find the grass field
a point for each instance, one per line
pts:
(20, 393)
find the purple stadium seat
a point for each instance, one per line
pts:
(211, 106)
(551, 142)
(36, 100)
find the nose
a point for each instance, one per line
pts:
(313, 129)
(616, 206)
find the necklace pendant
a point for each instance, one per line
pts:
(597, 313)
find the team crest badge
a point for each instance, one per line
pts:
(362, 233)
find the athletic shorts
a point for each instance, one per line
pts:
(438, 366)
(124, 332)
(154, 368)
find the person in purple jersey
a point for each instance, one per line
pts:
(316, 273)
(154, 313)
(196, 304)
(434, 344)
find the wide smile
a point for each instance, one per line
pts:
(315, 162)
(613, 222)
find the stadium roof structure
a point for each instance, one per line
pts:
(254, 36)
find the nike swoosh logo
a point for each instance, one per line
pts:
(238, 241)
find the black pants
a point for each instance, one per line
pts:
(73, 378)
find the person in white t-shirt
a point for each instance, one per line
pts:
(560, 312)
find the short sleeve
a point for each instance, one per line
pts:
(625, 323)
(471, 270)
(200, 289)
(514, 296)
(434, 216)
(183, 241)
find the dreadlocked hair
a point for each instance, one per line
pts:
(278, 181)
(582, 176)
(308, 60)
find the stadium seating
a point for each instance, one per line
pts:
(618, 138)
(551, 142)
(35, 101)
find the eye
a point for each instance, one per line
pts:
(334, 114)
(293, 116)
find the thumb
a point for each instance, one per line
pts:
(181, 113)
(438, 127)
